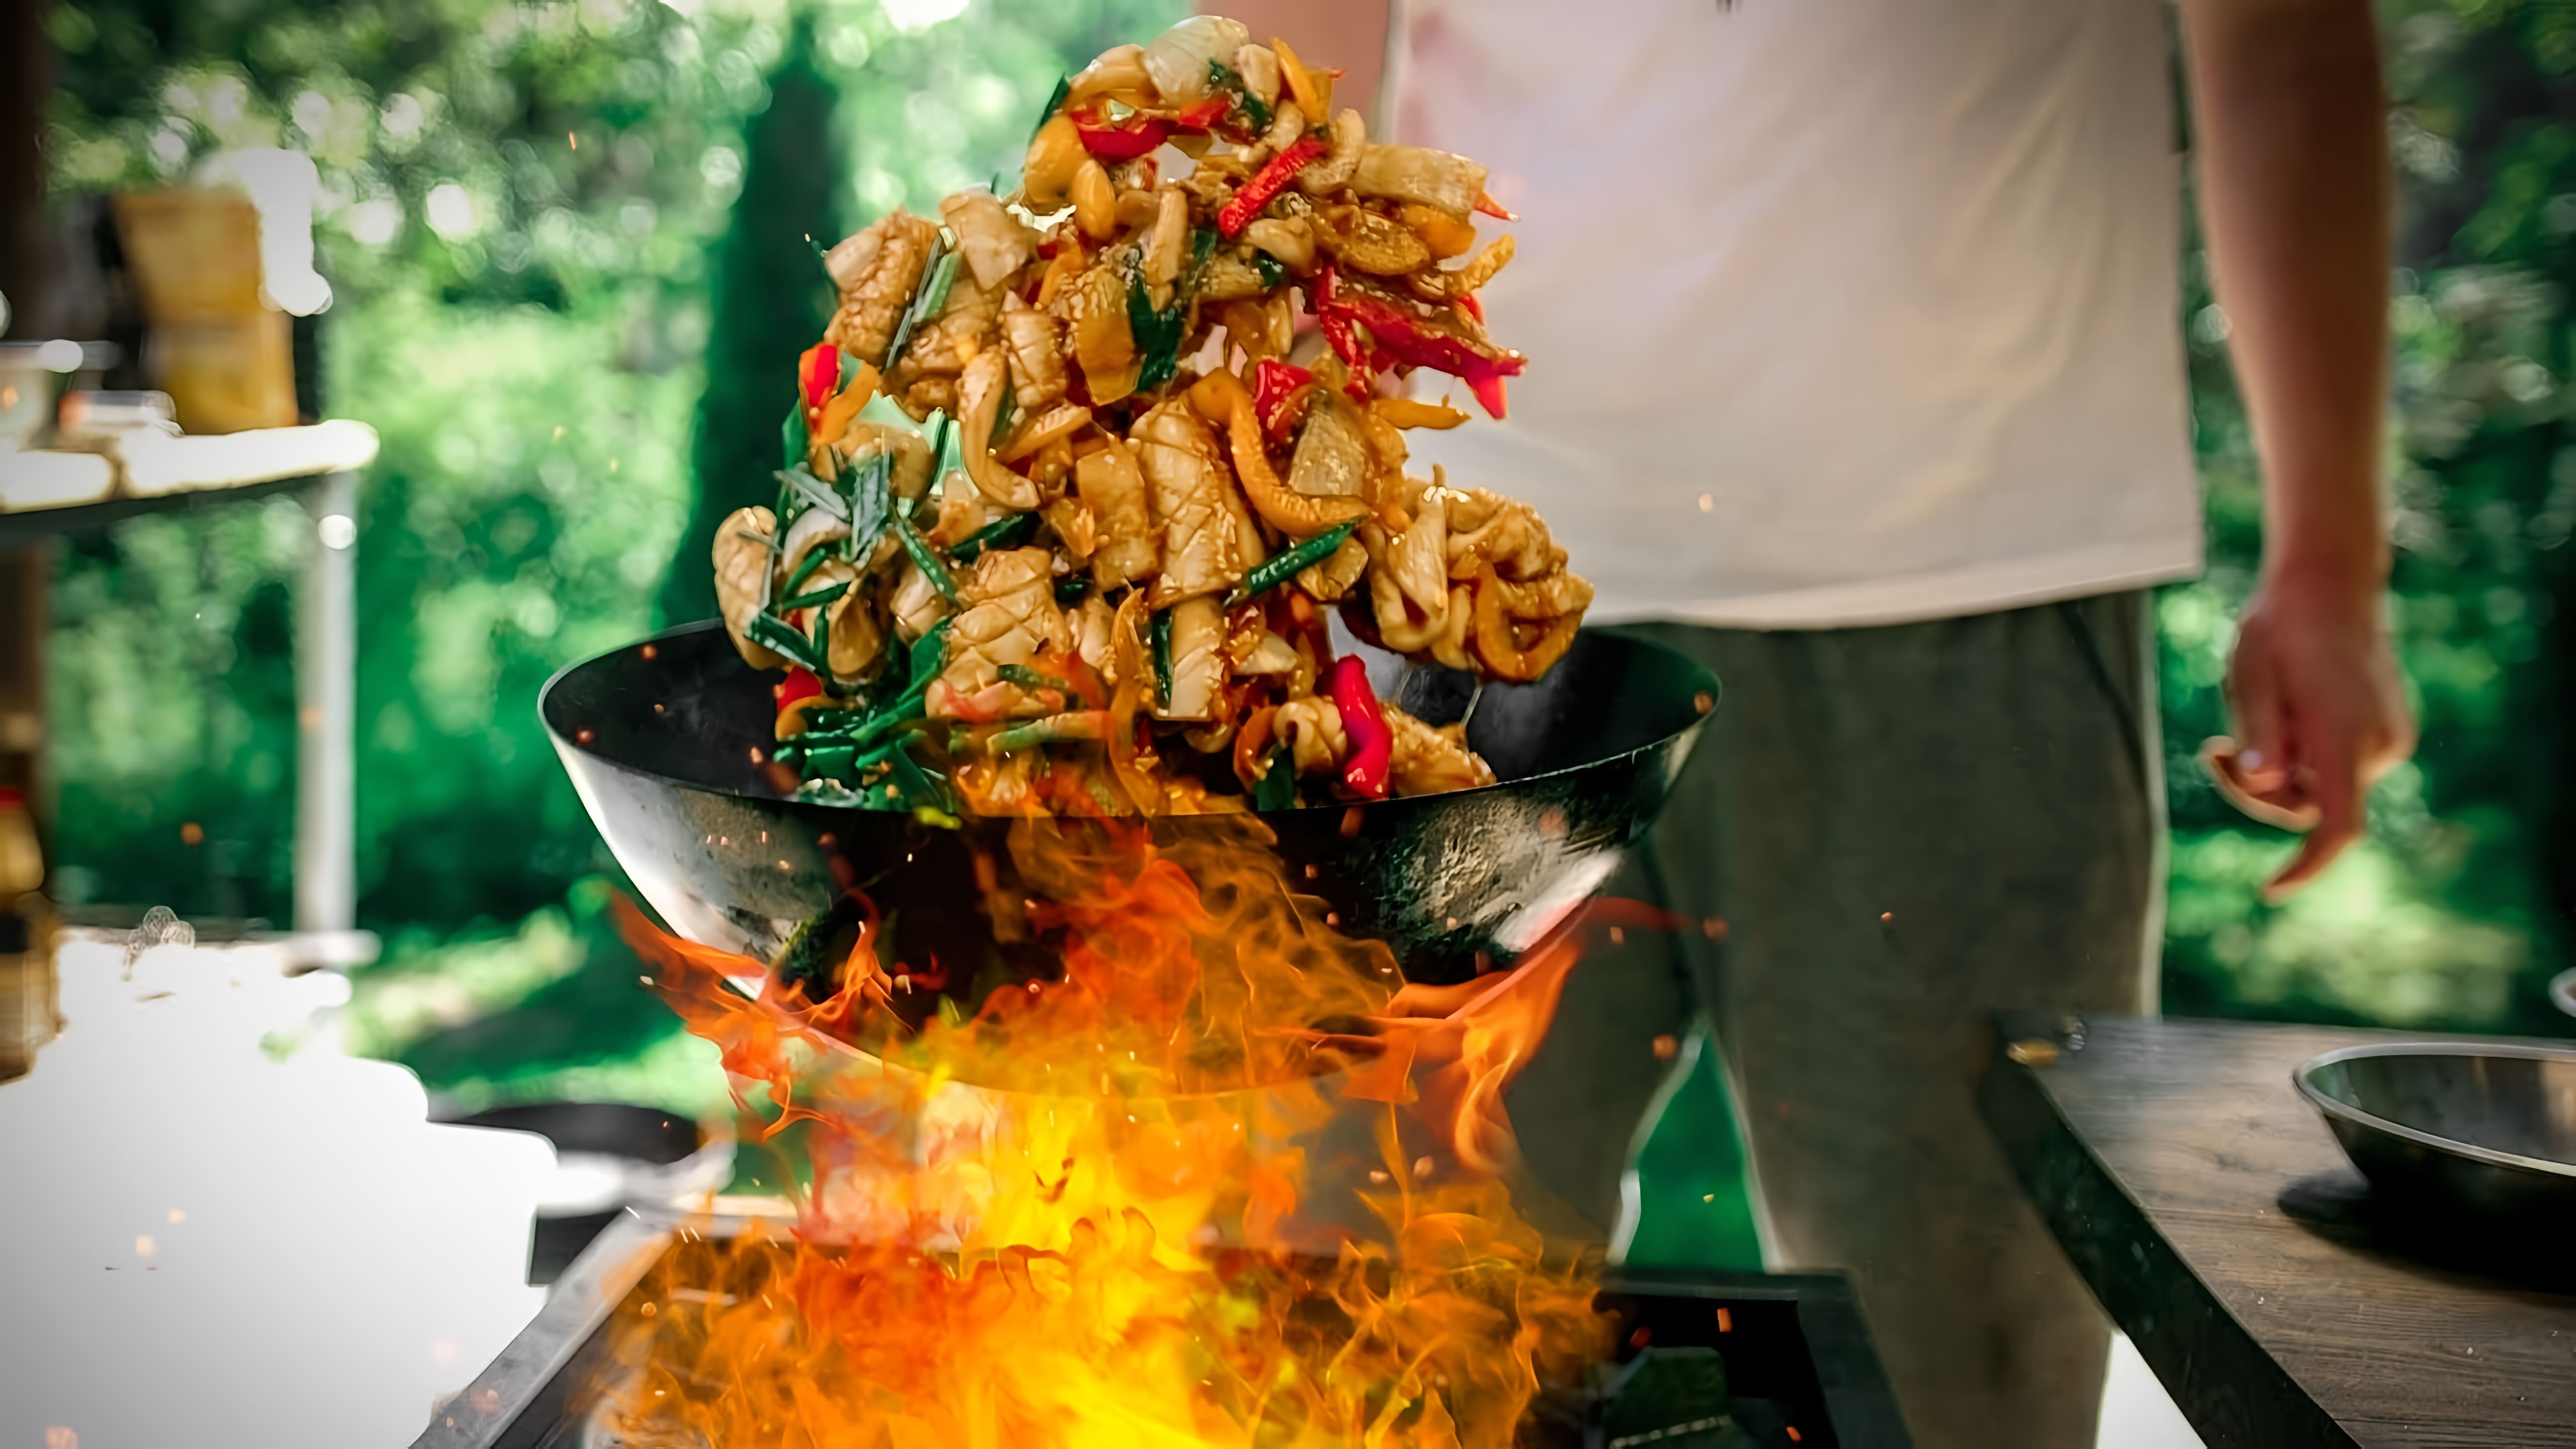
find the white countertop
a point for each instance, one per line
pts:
(202, 1245)
(151, 465)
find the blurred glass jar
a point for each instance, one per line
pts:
(34, 374)
(29, 1014)
(91, 418)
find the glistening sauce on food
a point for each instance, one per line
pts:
(1162, 383)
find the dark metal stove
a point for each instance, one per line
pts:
(1795, 1351)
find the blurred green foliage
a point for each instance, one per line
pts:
(2457, 909)
(522, 212)
(518, 207)
(772, 300)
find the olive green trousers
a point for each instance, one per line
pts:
(1903, 830)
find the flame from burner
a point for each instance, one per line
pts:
(1224, 1181)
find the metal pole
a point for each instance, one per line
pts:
(326, 707)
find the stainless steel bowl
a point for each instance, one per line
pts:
(2487, 1128)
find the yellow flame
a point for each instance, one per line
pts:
(1220, 1183)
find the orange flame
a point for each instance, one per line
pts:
(1222, 1183)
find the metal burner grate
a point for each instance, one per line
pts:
(1709, 1361)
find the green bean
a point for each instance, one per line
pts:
(817, 598)
(772, 633)
(1027, 678)
(1277, 788)
(1055, 103)
(1160, 634)
(927, 299)
(1009, 532)
(1279, 568)
(814, 559)
(914, 786)
(924, 558)
(1080, 724)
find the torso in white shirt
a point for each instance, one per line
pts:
(1838, 311)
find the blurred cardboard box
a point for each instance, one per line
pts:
(227, 377)
(225, 356)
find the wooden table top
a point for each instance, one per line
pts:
(2220, 1225)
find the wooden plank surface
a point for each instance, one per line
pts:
(2215, 1217)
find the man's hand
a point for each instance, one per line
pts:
(2294, 184)
(2316, 695)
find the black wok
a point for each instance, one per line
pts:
(664, 741)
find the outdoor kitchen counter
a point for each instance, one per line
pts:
(2219, 1224)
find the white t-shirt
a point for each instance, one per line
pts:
(1838, 311)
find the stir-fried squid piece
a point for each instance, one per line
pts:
(1111, 550)
(1036, 341)
(742, 552)
(1113, 487)
(1007, 615)
(1428, 761)
(1198, 664)
(979, 412)
(994, 243)
(1313, 729)
(878, 271)
(1189, 484)
(944, 346)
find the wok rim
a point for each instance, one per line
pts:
(1715, 691)
(2337, 1109)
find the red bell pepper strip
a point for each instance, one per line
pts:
(1279, 394)
(1345, 343)
(1266, 183)
(1410, 332)
(800, 683)
(1372, 742)
(818, 374)
(1206, 113)
(1111, 142)
(1361, 363)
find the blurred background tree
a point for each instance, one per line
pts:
(521, 212)
(2457, 909)
(568, 245)
(771, 300)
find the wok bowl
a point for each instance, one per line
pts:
(2487, 1130)
(664, 740)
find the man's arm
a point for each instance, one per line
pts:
(2294, 194)
(1349, 34)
